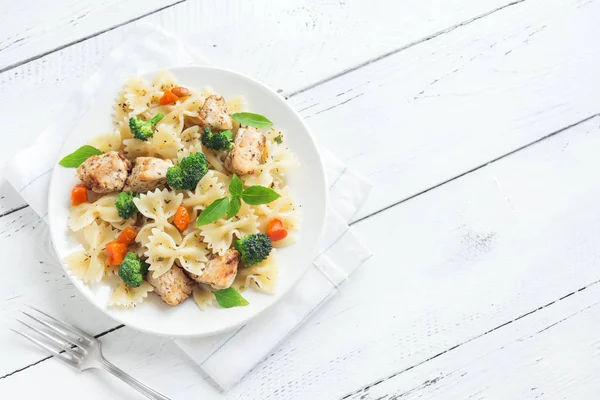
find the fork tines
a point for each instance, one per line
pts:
(61, 339)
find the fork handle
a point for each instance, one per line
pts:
(139, 386)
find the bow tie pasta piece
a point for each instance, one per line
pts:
(219, 235)
(163, 81)
(216, 159)
(188, 151)
(191, 137)
(127, 297)
(186, 109)
(203, 296)
(159, 206)
(124, 130)
(193, 253)
(162, 253)
(165, 143)
(102, 209)
(209, 189)
(89, 264)
(138, 95)
(107, 142)
(284, 208)
(236, 104)
(122, 109)
(262, 276)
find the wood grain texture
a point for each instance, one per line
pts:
(552, 354)
(451, 264)
(462, 260)
(31, 28)
(454, 103)
(278, 38)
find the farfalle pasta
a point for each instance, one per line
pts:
(162, 253)
(209, 189)
(219, 234)
(108, 141)
(165, 143)
(159, 206)
(89, 264)
(103, 210)
(124, 296)
(187, 196)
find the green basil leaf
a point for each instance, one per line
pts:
(213, 212)
(236, 186)
(234, 206)
(250, 119)
(230, 297)
(76, 158)
(255, 195)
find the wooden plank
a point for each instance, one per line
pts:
(462, 260)
(484, 208)
(273, 38)
(454, 103)
(33, 28)
(551, 355)
(498, 59)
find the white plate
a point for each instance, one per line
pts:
(307, 184)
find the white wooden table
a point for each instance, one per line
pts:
(477, 122)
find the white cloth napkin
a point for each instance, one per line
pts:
(227, 357)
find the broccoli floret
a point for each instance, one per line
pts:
(217, 140)
(141, 129)
(254, 248)
(188, 173)
(125, 205)
(133, 270)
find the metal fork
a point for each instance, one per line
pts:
(77, 349)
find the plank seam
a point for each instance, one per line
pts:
(539, 140)
(83, 39)
(14, 210)
(366, 388)
(401, 48)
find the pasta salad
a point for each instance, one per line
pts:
(186, 197)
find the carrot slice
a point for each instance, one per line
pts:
(182, 218)
(79, 194)
(276, 230)
(168, 98)
(115, 253)
(127, 236)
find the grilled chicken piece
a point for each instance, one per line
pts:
(148, 174)
(173, 286)
(105, 173)
(214, 113)
(220, 271)
(247, 152)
